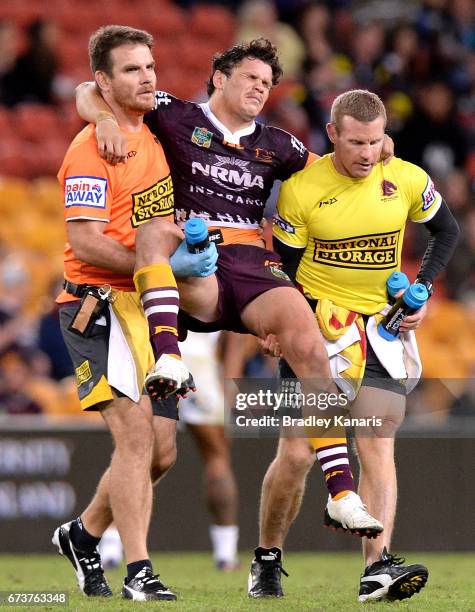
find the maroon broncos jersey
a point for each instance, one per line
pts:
(221, 177)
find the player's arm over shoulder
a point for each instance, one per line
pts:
(167, 110)
(164, 100)
(292, 154)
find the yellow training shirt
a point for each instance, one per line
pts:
(352, 228)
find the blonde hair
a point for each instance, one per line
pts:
(362, 105)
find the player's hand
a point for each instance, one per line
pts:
(387, 152)
(413, 321)
(270, 346)
(112, 144)
(185, 264)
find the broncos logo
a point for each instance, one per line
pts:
(388, 188)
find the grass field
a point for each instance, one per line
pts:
(317, 582)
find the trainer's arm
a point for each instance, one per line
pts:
(290, 257)
(90, 245)
(91, 107)
(444, 233)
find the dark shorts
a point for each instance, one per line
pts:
(166, 408)
(244, 272)
(89, 356)
(375, 374)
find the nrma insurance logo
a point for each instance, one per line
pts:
(230, 172)
(85, 191)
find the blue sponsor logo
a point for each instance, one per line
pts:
(283, 224)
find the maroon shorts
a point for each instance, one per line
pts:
(244, 272)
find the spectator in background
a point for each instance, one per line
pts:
(50, 339)
(16, 328)
(9, 42)
(366, 53)
(14, 398)
(259, 18)
(460, 278)
(457, 188)
(32, 78)
(432, 137)
(406, 60)
(462, 22)
(314, 27)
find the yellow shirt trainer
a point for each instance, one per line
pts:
(352, 229)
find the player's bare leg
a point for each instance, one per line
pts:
(99, 514)
(221, 492)
(97, 517)
(275, 312)
(385, 575)
(378, 489)
(283, 311)
(378, 484)
(123, 492)
(282, 490)
(164, 447)
(130, 487)
(199, 297)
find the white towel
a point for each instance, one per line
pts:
(400, 357)
(121, 370)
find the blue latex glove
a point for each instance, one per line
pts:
(185, 264)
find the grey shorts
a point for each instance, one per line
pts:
(89, 356)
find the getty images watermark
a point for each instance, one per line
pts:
(284, 408)
(434, 408)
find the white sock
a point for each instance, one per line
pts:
(224, 539)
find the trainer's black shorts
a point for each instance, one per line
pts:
(167, 408)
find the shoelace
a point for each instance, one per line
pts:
(269, 573)
(149, 577)
(394, 560)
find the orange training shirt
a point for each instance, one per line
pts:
(122, 196)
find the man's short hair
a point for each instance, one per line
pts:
(108, 38)
(260, 48)
(362, 105)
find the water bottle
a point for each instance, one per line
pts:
(394, 284)
(196, 235)
(413, 298)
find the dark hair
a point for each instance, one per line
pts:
(107, 38)
(261, 49)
